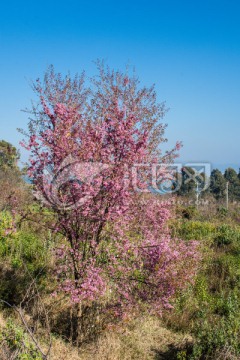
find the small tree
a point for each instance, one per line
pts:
(188, 185)
(14, 193)
(217, 184)
(8, 155)
(231, 176)
(86, 146)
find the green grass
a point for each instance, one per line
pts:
(210, 309)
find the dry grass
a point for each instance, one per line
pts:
(141, 339)
(226, 354)
(2, 321)
(62, 351)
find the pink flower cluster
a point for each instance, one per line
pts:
(118, 241)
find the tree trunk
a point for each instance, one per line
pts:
(80, 333)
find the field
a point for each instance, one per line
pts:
(204, 322)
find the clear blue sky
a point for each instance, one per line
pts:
(190, 49)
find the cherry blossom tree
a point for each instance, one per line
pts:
(92, 151)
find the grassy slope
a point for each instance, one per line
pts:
(209, 311)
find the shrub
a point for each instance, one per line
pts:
(187, 212)
(190, 230)
(222, 211)
(226, 235)
(23, 256)
(16, 344)
(21, 248)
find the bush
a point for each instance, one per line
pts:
(15, 192)
(226, 235)
(193, 230)
(16, 344)
(222, 211)
(21, 248)
(187, 212)
(23, 256)
(217, 333)
(210, 309)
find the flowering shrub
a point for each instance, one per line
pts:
(84, 143)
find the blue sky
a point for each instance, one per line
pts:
(189, 49)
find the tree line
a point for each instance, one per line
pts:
(218, 184)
